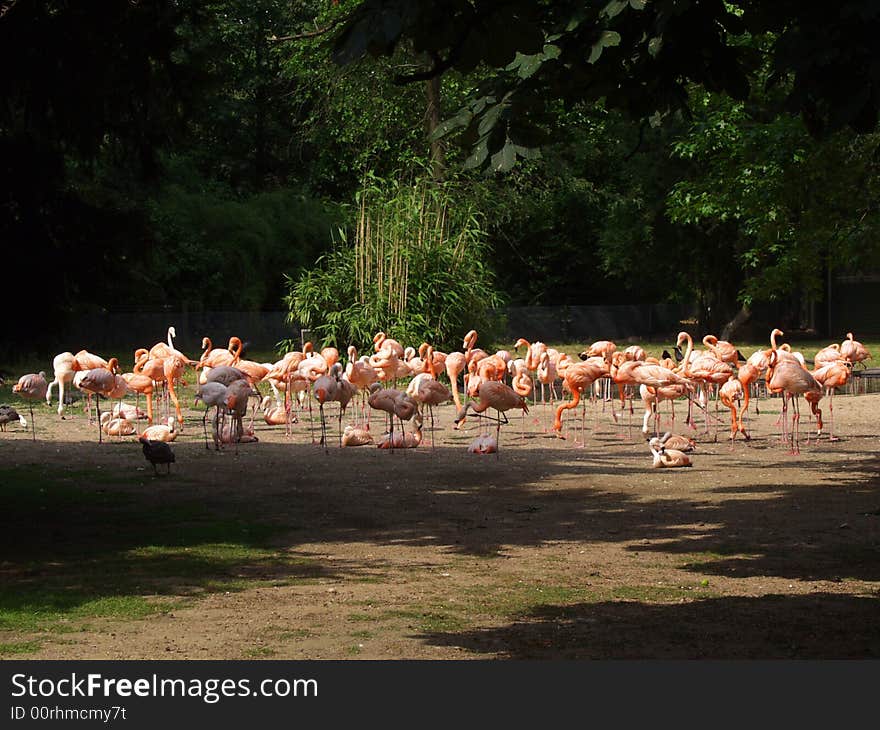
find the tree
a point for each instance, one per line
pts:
(791, 207)
(634, 55)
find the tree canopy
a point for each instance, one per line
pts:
(207, 154)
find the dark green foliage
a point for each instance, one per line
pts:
(221, 251)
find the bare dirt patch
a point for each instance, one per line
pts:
(547, 551)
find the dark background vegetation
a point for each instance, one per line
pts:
(192, 154)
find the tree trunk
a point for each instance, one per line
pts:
(741, 317)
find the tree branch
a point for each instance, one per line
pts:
(310, 33)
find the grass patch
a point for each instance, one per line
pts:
(292, 634)
(365, 617)
(19, 647)
(660, 594)
(260, 652)
(429, 620)
(76, 549)
(362, 634)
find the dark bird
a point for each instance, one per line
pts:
(679, 356)
(157, 452)
(7, 415)
(225, 374)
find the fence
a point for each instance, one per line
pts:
(589, 323)
(107, 332)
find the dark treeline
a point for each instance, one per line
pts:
(194, 154)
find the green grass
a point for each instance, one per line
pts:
(260, 652)
(75, 550)
(19, 647)
(362, 634)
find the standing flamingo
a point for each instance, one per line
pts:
(428, 391)
(789, 378)
(333, 387)
(578, 378)
(394, 403)
(830, 376)
(31, 387)
(731, 394)
(497, 395)
(64, 367)
(724, 351)
(212, 394)
(853, 350)
(98, 382)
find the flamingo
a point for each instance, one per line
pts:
(381, 341)
(485, 444)
(749, 374)
(161, 350)
(360, 373)
(546, 374)
(212, 394)
(578, 378)
(789, 378)
(853, 350)
(274, 413)
(722, 350)
(64, 368)
(119, 426)
(161, 432)
(827, 355)
(172, 367)
(665, 457)
(456, 362)
(680, 443)
(403, 439)
(142, 385)
(31, 387)
(830, 376)
(333, 387)
(238, 394)
(497, 395)
(356, 436)
(428, 391)
(651, 399)
(225, 374)
(103, 382)
(638, 372)
(634, 352)
(394, 403)
(212, 358)
(730, 394)
(600, 348)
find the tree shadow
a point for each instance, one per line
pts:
(814, 626)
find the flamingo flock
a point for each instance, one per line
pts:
(482, 385)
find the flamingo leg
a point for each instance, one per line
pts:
(831, 436)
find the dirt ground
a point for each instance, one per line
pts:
(550, 550)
